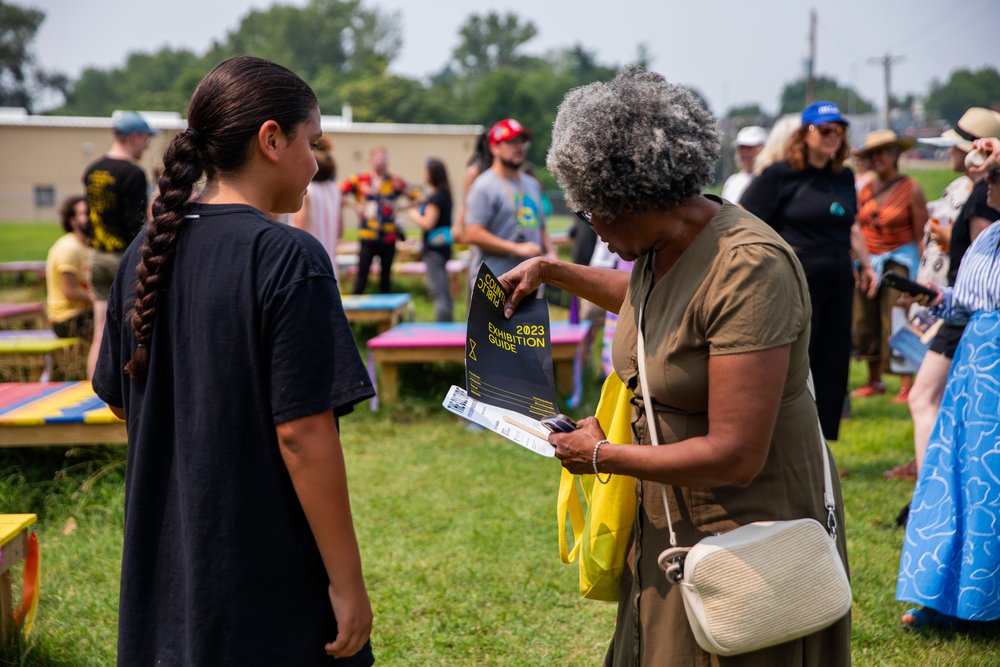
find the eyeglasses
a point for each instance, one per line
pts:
(828, 130)
(584, 217)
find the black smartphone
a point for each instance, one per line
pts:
(896, 281)
(559, 424)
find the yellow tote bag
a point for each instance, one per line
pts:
(602, 533)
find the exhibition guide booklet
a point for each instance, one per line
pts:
(508, 367)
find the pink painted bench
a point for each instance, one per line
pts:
(423, 342)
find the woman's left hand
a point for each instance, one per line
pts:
(576, 448)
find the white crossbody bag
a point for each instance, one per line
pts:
(761, 584)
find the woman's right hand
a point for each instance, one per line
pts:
(521, 281)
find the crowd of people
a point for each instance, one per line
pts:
(949, 560)
(746, 300)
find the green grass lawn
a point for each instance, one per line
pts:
(932, 180)
(458, 536)
(27, 240)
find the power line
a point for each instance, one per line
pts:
(938, 21)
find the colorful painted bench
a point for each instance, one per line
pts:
(17, 544)
(423, 342)
(56, 413)
(17, 315)
(29, 353)
(21, 269)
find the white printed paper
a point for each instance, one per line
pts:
(514, 426)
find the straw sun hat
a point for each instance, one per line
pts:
(885, 139)
(975, 123)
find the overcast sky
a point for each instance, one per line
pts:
(734, 52)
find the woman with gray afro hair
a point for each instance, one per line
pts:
(636, 142)
(723, 306)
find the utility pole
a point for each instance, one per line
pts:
(811, 63)
(887, 61)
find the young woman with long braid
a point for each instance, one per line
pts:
(229, 356)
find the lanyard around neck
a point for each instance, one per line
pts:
(519, 197)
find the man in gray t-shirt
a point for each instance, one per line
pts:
(504, 220)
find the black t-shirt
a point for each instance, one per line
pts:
(116, 199)
(434, 242)
(961, 235)
(219, 566)
(813, 209)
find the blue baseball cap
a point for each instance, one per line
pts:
(821, 112)
(130, 122)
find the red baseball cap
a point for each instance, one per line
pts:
(507, 129)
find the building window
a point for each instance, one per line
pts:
(45, 196)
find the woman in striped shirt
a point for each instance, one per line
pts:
(892, 212)
(950, 562)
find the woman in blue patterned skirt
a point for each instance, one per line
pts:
(950, 562)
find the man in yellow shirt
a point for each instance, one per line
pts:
(69, 301)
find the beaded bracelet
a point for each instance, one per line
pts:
(597, 448)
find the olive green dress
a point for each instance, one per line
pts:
(737, 288)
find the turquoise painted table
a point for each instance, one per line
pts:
(387, 310)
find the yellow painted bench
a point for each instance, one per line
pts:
(56, 413)
(17, 544)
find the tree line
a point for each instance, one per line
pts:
(344, 48)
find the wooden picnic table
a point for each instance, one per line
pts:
(19, 270)
(55, 413)
(32, 349)
(423, 342)
(387, 310)
(14, 548)
(32, 314)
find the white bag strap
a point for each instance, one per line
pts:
(828, 497)
(651, 417)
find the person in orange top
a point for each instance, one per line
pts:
(892, 212)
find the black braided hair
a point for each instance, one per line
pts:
(226, 111)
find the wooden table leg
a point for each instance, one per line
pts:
(47, 369)
(7, 628)
(564, 375)
(388, 383)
